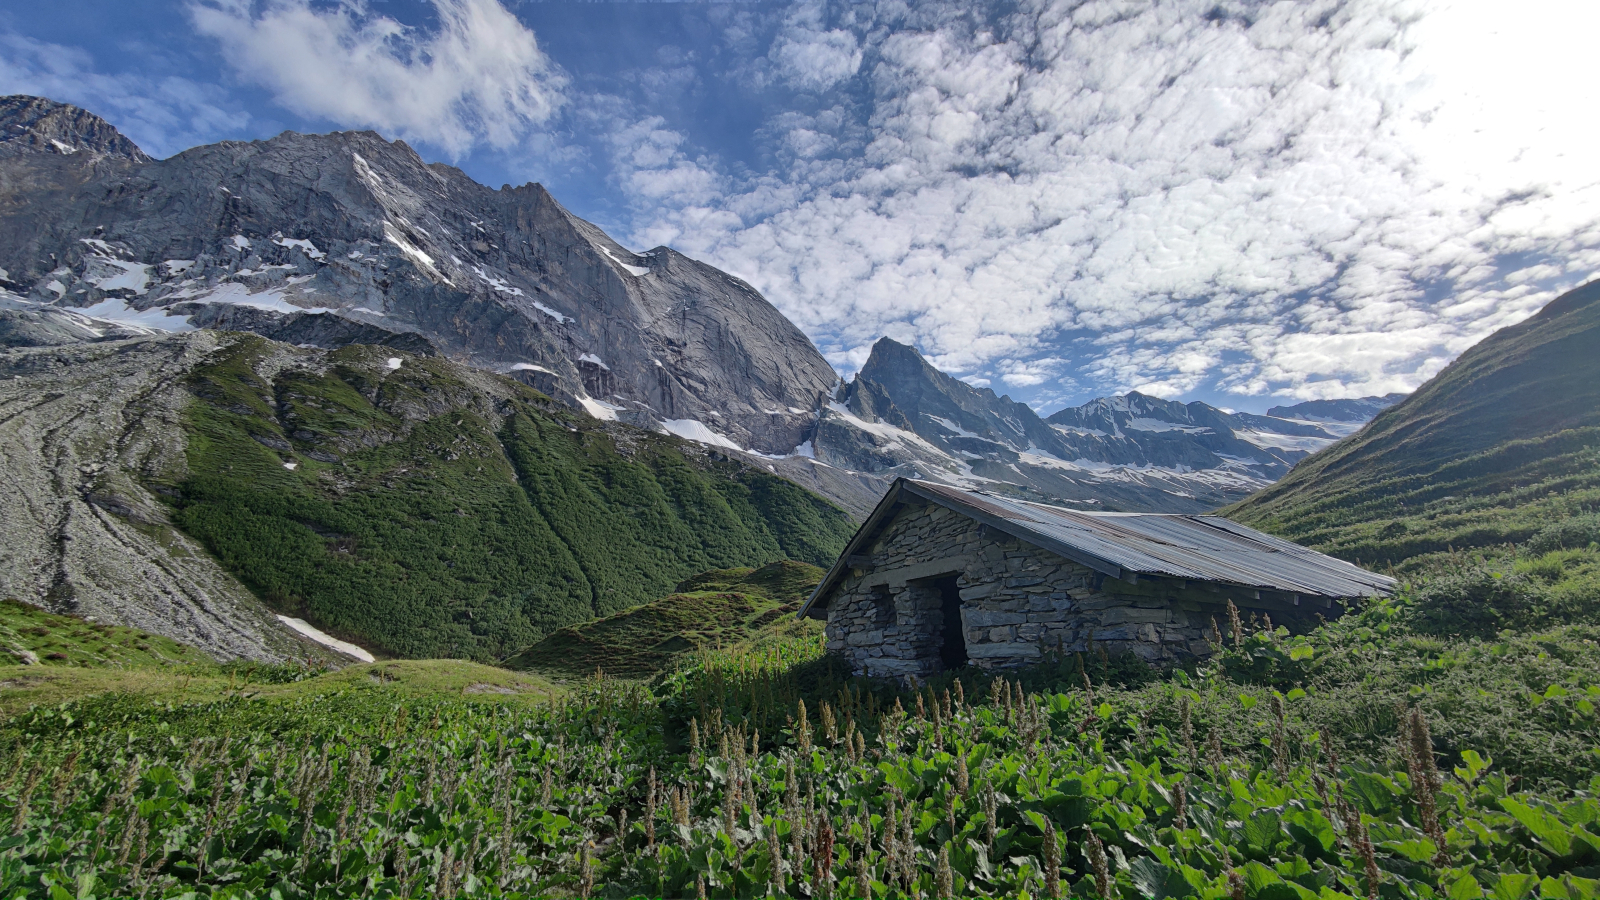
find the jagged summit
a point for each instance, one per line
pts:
(334, 233)
(37, 125)
(902, 416)
(1358, 409)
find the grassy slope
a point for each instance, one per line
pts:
(1505, 440)
(433, 532)
(714, 609)
(79, 660)
(30, 633)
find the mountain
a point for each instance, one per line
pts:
(202, 485)
(902, 416)
(1501, 443)
(1353, 411)
(314, 238)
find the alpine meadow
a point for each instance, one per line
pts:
(1049, 450)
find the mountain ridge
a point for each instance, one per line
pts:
(902, 416)
(354, 228)
(200, 485)
(1501, 442)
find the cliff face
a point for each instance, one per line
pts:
(361, 233)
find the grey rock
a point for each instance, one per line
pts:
(1130, 452)
(246, 235)
(80, 428)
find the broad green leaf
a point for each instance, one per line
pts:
(1302, 652)
(1463, 887)
(1513, 886)
(1554, 834)
(1475, 766)
(1262, 830)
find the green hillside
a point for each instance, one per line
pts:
(33, 637)
(714, 609)
(1502, 444)
(430, 510)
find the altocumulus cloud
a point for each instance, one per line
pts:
(477, 77)
(1323, 198)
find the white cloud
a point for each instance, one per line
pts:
(163, 115)
(1313, 199)
(479, 77)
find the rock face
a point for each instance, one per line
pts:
(901, 416)
(364, 235)
(81, 427)
(37, 125)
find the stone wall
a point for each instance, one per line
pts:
(1017, 601)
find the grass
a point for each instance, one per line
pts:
(716, 609)
(429, 516)
(1501, 443)
(34, 637)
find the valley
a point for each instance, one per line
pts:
(270, 409)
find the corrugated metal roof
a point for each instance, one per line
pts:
(1189, 547)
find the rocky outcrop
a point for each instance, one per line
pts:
(36, 125)
(81, 429)
(351, 227)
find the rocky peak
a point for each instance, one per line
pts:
(1354, 410)
(37, 125)
(351, 227)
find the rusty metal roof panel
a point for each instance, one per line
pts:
(1206, 548)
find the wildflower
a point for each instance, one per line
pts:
(944, 879)
(1052, 862)
(1097, 861)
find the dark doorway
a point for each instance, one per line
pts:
(953, 646)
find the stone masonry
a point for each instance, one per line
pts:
(1017, 601)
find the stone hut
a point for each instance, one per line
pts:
(940, 577)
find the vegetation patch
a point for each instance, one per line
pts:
(419, 514)
(713, 610)
(33, 637)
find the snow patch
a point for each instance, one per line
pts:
(326, 640)
(591, 358)
(957, 430)
(413, 252)
(530, 367)
(128, 276)
(494, 281)
(551, 313)
(600, 409)
(309, 248)
(394, 362)
(178, 266)
(635, 271)
(291, 466)
(1160, 425)
(152, 320)
(240, 295)
(1270, 441)
(241, 243)
(66, 149)
(363, 309)
(696, 430)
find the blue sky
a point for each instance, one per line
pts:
(1243, 203)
